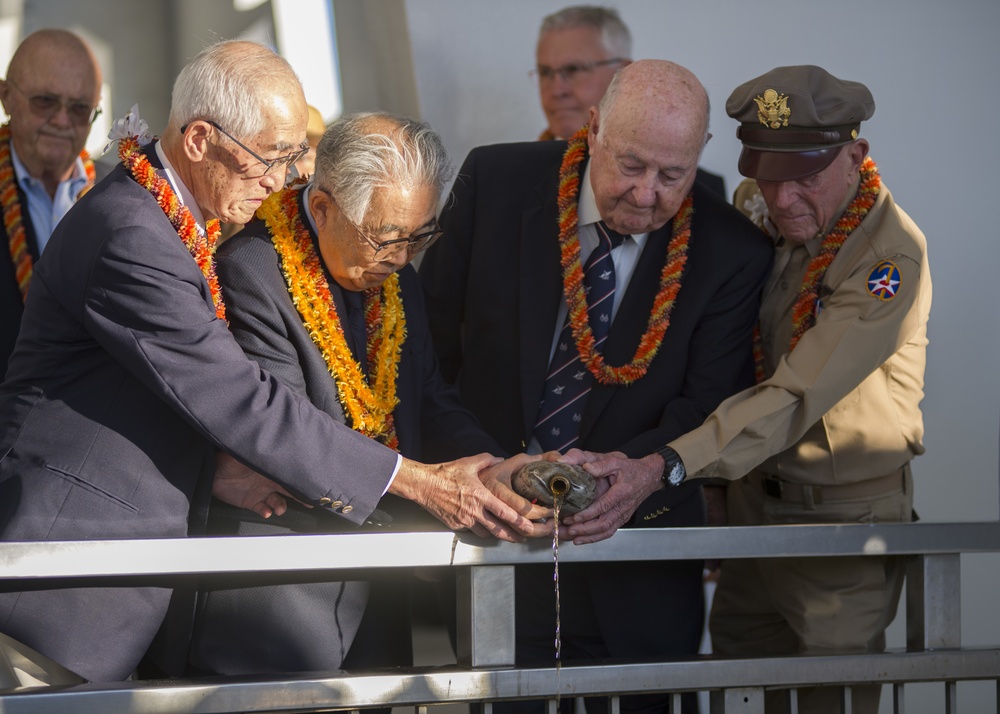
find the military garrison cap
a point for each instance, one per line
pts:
(794, 121)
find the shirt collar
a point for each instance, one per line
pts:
(185, 196)
(812, 245)
(79, 174)
(587, 206)
(305, 207)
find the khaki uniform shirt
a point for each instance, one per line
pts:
(843, 407)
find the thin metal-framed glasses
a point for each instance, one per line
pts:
(571, 72)
(389, 248)
(48, 105)
(286, 160)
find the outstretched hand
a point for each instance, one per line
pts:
(454, 494)
(622, 484)
(241, 486)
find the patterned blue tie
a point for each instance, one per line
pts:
(569, 380)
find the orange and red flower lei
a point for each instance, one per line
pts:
(201, 246)
(17, 241)
(670, 276)
(369, 406)
(804, 311)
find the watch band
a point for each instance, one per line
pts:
(673, 468)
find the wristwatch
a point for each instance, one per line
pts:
(673, 468)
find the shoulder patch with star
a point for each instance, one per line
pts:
(884, 281)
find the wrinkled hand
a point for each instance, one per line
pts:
(454, 494)
(241, 486)
(579, 457)
(498, 480)
(622, 484)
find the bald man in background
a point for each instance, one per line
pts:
(50, 93)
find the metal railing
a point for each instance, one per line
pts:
(485, 670)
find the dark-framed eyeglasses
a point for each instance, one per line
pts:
(389, 248)
(571, 72)
(46, 106)
(282, 161)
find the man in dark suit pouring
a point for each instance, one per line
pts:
(592, 294)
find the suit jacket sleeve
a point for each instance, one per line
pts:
(854, 335)
(147, 304)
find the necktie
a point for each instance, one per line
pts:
(569, 380)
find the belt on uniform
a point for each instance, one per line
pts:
(802, 493)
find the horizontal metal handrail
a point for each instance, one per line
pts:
(485, 579)
(419, 686)
(359, 551)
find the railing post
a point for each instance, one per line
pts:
(934, 602)
(739, 700)
(485, 608)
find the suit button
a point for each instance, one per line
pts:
(336, 504)
(324, 501)
(347, 509)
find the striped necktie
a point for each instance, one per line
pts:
(568, 380)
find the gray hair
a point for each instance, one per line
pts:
(357, 154)
(617, 38)
(229, 83)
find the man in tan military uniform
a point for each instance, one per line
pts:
(828, 433)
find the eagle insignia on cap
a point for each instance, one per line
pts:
(772, 109)
(884, 281)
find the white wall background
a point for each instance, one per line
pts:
(934, 69)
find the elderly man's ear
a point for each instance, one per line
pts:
(858, 151)
(321, 208)
(195, 140)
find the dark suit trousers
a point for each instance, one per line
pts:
(289, 613)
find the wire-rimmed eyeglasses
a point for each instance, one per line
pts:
(48, 105)
(571, 72)
(287, 160)
(389, 248)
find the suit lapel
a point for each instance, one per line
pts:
(539, 293)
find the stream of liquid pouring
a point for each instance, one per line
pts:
(555, 578)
